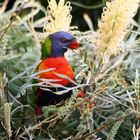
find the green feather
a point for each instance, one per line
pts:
(46, 48)
(46, 52)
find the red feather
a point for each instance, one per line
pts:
(61, 67)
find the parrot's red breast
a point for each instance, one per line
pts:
(60, 65)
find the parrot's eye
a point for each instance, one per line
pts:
(64, 40)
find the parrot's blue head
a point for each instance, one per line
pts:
(56, 44)
(61, 41)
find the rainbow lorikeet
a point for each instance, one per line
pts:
(53, 50)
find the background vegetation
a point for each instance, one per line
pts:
(111, 107)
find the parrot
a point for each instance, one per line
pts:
(52, 57)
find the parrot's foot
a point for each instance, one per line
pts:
(38, 111)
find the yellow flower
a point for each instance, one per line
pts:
(115, 20)
(58, 16)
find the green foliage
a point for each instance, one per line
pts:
(114, 130)
(111, 107)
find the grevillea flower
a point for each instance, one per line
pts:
(113, 26)
(58, 16)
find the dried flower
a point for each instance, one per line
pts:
(7, 119)
(116, 18)
(58, 16)
(2, 95)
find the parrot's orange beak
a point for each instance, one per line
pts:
(74, 45)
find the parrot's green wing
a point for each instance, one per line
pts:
(46, 49)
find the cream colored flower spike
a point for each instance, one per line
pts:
(115, 20)
(58, 16)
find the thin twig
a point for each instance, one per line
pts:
(38, 125)
(87, 6)
(2, 9)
